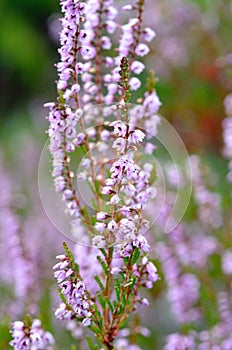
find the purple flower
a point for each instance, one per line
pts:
(99, 241)
(135, 83)
(142, 50)
(100, 226)
(79, 139)
(227, 262)
(66, 287)
(152, 102)
(141, 242)
(101, 215)
(127, 227)
(107, 190)
(88, 52)
(111, 12)
(110, 26)
(62, 312)
(149, 148)
(137, 67)
(119, 144)
(120, 128)
(106, 43)
(149, 34)
(136, 136)
(152, 272)
(115, 199)
(60, 275)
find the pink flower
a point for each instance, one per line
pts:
(120, 128)
(152, 102)
(115, 199)
(137, 67)
(149, 34)
(135, 83)
(106, 43)
(110, 26)
(136, 136)
(142, 50)
(100, 226)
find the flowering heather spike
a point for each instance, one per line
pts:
(117, 227)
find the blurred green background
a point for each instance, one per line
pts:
(27, 56)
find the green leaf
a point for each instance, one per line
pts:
(99, 282)
(28, 321)
(98, 188)
(117, 292)
(68, 252)
(93, 204)
(85, 211)
(108, 173)
(90, 343)
(102, 250)
(62, 297)
(90, 186)
(83, 149)
(101, 300)
(117, 289)
(104, 266)
(94, 329)
(109, 304)
(126, 260)
(124, 299)
(98, 316)
(136, 255)
(93, 220)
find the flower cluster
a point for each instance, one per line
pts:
(74, 290)
(26, 337)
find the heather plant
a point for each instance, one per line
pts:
(93, 115)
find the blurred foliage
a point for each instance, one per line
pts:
(26, 53)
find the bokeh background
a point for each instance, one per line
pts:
(191, 57)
